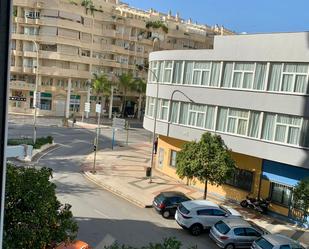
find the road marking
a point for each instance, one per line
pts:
(48, 152)
(104, 215)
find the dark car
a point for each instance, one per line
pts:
(166, 203)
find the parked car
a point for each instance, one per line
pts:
(276, 241)
(166, 203)
(233, 233)
(199, 215)
(77, 244)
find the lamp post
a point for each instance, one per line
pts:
(170, 108)
(35, 90)
(155, 117)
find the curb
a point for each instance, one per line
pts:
(115, 191)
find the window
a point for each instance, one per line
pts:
(31, 31)
(281, 194)
(263, 243)
(242, 75)
(233, 121)
(252, 232)
(164, 109)
(281, 128)
(153, 72)
(285, 247)
(174, 114)
(197, 115)
(201, 73)
(74, 103)
(173, 158)
(204, 212)
(151, 105)
(168, 67)
(188, 73)
(177, 72)
(32, 14)
(222, 227)
(218, 212)
(240, 231)
(289, 77)
(242, 179)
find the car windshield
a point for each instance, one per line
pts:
(222, 227)
(264, 244)
(225, 209)
(160, 198)
(183, 210)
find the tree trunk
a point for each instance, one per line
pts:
(205, 190)
(124, 103)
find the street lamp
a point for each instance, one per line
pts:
(170, 108)
(140, 67)
(35, 90)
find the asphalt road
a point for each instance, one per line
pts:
(103, 218)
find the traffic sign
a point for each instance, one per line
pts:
(98, 108)
(87, 107)
(119, 123)
(36, 99)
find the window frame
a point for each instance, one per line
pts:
(271, 190)
(172, 159)
(235, 182)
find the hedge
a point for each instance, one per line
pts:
(39, 141)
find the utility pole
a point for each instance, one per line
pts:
(5, 20)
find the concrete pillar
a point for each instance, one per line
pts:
(111, 99)
(67, 106)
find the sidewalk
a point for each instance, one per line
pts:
(122, 171)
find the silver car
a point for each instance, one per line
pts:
(275, 241)
(233, 233)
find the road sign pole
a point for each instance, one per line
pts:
(96, 140)
(113, 139)
(127, 128)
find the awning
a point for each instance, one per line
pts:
(280, 179)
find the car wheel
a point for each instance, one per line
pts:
(244, 204)
(166, 214)
(229, 246)
(196, 229)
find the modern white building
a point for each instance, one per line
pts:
(253, 91)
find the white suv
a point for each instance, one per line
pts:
(198, 215)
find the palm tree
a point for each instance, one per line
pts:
(101, 86)
(140, 88)
(126, 83)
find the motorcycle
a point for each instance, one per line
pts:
(260, 205)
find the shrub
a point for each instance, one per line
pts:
(39, 142)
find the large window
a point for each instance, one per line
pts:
(281, 194)
(168, 68)
(173, 158)
(242, 179)
(281, 128)
(177, 73)
(163, 109)
(289, 77)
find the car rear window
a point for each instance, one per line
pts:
(222, 227)
(183, 210)
(264, 244)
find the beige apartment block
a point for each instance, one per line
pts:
(59, 44)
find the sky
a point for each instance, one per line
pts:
(250, 16)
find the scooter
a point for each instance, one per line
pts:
(260, 205)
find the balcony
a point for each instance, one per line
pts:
(56, 71)
(22, 85)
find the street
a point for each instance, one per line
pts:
(103, 217)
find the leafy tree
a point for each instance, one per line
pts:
(301, 197)
(88, 4)
(156, 25)
(127, 83)
(34, 218)
(208, 160)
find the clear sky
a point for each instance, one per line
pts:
(251, 16)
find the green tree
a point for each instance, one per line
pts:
(157, 25)
(34, 218)
(208, 160)
(126, 83)
(301, 197)
(101, 85)
(88, 4)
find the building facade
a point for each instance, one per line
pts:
(59, 44)
(253, 91)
